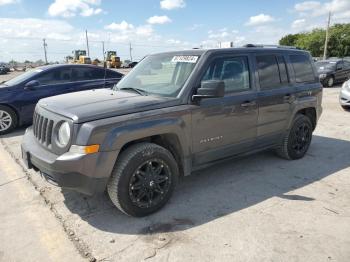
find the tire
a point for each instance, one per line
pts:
(296, 142)
(330, 81)
(8, 120)
(346, 108)
(132, 182)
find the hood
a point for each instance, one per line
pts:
(102, 103)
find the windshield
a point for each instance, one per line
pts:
(162, 74)
(19, 79)
(325, 65)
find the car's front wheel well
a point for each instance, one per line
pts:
(168, 141)
(13, 109)
(310, 112)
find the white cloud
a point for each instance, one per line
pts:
(259, 20)
(34, 28)
(70, 8)
(158, 20)
(339, 9)
(307, 6)
(172, 4)
(123, 26)
(7, 2)
(298, 24)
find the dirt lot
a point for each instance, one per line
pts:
(260, 208)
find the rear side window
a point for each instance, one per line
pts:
(113, 74)
(83, 74)
(302, 68)
(272, 71)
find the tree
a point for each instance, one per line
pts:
(338, 45)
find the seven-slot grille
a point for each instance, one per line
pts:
(42, 128)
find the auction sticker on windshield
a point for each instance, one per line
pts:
(185, 59)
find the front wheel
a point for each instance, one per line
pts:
(143, 179)
(330, 81)
(297, 141)
(8, 120)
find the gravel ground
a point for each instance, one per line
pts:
(259, 208)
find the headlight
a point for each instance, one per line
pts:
(346, 85)
(64, 134)
(322, 76)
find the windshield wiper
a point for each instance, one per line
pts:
(136, 90)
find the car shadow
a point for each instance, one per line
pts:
(221, 190)
(15, 133)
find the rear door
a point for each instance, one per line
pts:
(226, 126)
(340, 72)
(275, 96)
(86, 78)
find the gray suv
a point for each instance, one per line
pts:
(175, 113)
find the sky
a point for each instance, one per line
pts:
(153, 25)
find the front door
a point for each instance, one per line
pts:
(51, 83)
(222, 127)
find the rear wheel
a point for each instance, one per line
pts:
(143, 179)
(8, 120)
(297, 141)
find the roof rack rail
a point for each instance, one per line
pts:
(271, 46)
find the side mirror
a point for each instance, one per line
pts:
(31, 85)
(210, 89)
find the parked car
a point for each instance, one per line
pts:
(344, 97)
(174, 113)
(19, 95)
(4, 69)
(333, 71)
(133, 64)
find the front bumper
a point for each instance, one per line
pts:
(87, 174)
(344, 97)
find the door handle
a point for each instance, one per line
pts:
(248, 104)
(288, 98)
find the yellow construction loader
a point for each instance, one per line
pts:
(112, 60)
(80, 57)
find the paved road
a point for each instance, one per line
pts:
(260, 208)
(29, 231)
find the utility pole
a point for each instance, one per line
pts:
(130, 50)
(327, 36)
(87, 43)
(45, 45)
(103, 50)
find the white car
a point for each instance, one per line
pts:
(344, 97)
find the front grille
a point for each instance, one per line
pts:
(42, 128)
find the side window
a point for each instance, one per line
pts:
(98, 73)
(302, 68)
(340, 66)
(56, 76)
(113, 74)
(346, 65)
(83, 74)
(283, 69)
(272, 71)
(233, 71)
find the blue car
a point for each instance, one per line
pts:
(19, 95)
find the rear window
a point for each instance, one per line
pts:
(302, 68)
(272, 71)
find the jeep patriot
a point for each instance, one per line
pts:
(175, 113)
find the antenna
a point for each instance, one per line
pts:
(104, 64)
